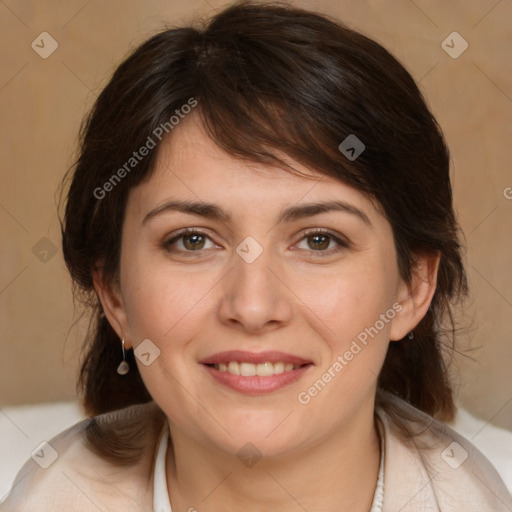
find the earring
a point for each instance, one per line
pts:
(410, 336)
(123, 367)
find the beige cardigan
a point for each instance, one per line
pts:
(436, 470)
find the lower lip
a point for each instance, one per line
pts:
(257, 385)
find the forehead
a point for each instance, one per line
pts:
(191, 166)
(190, 150)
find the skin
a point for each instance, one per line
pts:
(299, 296)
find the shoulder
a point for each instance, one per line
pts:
(70, 468)
(429, 466)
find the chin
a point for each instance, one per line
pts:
(269, 435)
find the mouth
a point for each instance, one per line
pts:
(255, 373)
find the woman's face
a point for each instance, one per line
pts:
(263, 282)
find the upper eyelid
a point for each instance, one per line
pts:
(187, 231)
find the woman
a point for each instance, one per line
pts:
(261, 220)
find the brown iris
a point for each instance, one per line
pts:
(319, 241)
(193, 242)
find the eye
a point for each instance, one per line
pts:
(189, 240)
(322, 241)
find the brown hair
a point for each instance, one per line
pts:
(271, 79)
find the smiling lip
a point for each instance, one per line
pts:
(256, 385)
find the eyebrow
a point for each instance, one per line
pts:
(214, 212)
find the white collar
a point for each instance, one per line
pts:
(162, 503)
(378, 496)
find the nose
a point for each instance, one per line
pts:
(255, 298)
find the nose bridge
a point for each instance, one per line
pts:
(252, 272)
(253, 296)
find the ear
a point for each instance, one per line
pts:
(416, 296)
(112, 302)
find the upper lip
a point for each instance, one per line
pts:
(253, 357)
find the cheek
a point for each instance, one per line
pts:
(344, 303)
(355, 325)
(160, 303)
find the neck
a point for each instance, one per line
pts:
(339, 472)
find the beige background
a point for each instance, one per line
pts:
(43, 100)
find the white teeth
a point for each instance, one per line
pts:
(233, 367)
(247, 369)
(265, 369)
(261, 370)
(278, 368)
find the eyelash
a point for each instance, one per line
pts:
(342, 244)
